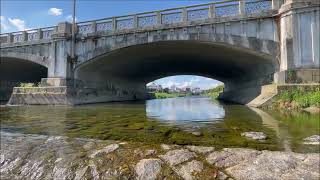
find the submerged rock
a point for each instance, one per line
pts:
(314, 140)
(200, 149)
(148, 169)
(196, 133)
(190, 169)
(108, 149)
(165, 146)
(150, 152)
(169, 147)
(255, 135)
(178, 156)
(312, 110)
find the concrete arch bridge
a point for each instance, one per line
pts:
(244, 43)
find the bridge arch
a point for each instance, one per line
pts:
(41, 60)
(18, 68)
(133, 66)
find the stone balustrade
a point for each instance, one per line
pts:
(226, 8)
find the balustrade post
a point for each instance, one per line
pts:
(40, 34)
(10, 38)
(94, 27)
(212, 11)
(184, 15)
(24, 36)
(159, 18)
(114, 24)
(135, 22)
(242, 7)
(275, 4)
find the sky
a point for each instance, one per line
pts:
(188, 81)
(19, 15)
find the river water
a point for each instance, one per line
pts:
(184, 120)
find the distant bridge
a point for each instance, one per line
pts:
(243, 43)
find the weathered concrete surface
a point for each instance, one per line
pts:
(25, 156)
(63, 95)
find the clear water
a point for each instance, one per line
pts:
(168, 121)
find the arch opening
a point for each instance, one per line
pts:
(15, 71)
(131, 68)
(181, 85)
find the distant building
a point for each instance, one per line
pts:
(173, 89)
(196, 91)
(152, 87)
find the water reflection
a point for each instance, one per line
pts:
(167, 121)
(184, 109)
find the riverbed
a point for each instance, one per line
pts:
(182, 121)
(175, 138)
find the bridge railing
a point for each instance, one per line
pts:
(226, 8)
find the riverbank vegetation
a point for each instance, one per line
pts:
(214, 92)
(297, 99)
(28, 85)
(163, 95)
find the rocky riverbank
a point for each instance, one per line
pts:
(46, 157)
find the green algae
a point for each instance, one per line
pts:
(128, 122)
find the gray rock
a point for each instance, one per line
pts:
(200, 149)
(222, 176)
(108, 149)
(138, 152)
(196, 133)
(80, 173)
(169, 147)
(277, 165)
(165, 146)
(89, 145)
(190, 169)
(148, 169)
(255, 135)
(231, 156)
(314, 140)
(150, 152)
(178, 156)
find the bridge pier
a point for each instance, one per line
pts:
(299, 42)
(60, 71)
(241, 44)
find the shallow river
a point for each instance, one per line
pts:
(189, 120)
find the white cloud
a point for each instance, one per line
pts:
(18, 23)
(3, 24)
(69, 18)
(55, 11)
(188, 81)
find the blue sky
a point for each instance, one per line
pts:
(27, 14)
(17, 15)
(188, 80)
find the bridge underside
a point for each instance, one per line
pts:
(14, 71)
(124, 73)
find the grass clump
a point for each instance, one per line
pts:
(27, 85)
(163, 95)
(299, 99)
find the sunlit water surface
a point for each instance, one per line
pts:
(171, 120)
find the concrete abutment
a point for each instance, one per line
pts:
(284, 43)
